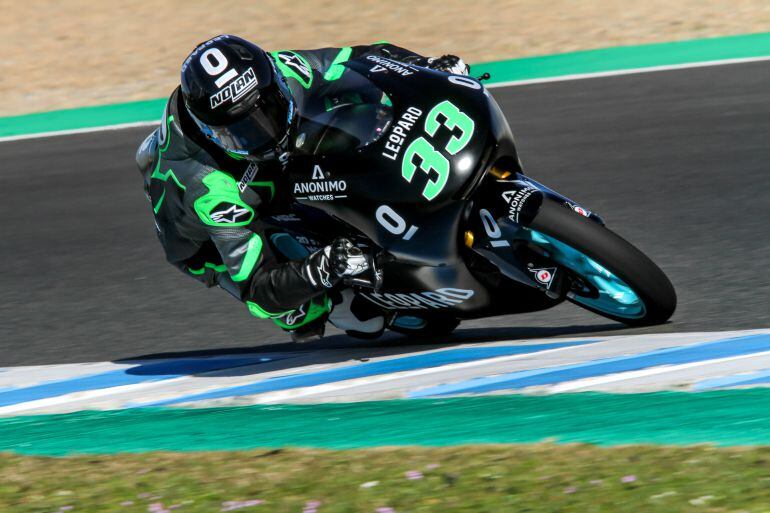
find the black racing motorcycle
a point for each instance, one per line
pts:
(420, 169)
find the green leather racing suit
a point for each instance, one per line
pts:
(209, 206)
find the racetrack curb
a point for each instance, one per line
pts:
(727, 418)
(567, 66)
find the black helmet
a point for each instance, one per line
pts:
(236, 97)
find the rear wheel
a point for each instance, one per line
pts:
(607, 275)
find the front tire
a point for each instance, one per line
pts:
(615, 254)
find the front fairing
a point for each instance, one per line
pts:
(405, 140)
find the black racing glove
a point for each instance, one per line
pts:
(448, 63)
(326, 267)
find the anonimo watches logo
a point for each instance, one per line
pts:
(516, 201)
(321, 187)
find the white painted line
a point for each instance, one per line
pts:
(511, 83)
(630, 71)
(652, 371)
(79, 396)
(75, 131)
(283, 395)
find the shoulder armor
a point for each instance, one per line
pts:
(222, 204)
(294, 65)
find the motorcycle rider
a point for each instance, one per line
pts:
(212, 172)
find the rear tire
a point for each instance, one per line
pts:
(615, 254)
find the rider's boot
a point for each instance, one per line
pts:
(356, 316)
(308, 322)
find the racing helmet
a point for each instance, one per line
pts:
(237, 98)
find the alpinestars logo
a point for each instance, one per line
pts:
(236, 89)
(295, 316)
(544, 276)
(323, 272)
(295, 63)
(230, 215)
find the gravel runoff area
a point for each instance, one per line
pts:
(79, 52)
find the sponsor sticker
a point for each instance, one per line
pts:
(292, 318)
(580, 210)
(311, 245)
(320, 188)
(398, 132)
(229, 215)
(544, 275)
(285, 218)
(294, 62)
(516, 201)
(431, 299)
(248, 176)
(383, 64)
(235, 89)
(323, 272)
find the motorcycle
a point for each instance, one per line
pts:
(419, 168)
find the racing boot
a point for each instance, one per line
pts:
(308, 322)
(356, 316)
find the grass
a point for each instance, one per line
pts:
(524, 478)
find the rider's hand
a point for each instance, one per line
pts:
(346, 259)
(341, 258)
(449, 63)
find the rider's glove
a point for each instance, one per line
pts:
(448, 63)
(326, 267)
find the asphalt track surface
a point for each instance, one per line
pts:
(676, 161)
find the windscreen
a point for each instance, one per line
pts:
(347, 114)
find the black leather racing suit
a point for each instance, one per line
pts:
(208, 205)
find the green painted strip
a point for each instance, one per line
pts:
(85, 117)
(590, 61)
(627, 57)
(732, 417)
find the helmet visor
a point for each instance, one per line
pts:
(265, 124)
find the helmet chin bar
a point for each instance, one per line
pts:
(278, 152)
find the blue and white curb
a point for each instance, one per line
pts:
(687, 361)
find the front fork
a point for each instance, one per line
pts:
(500, 211)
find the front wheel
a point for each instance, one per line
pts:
(607, 275)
